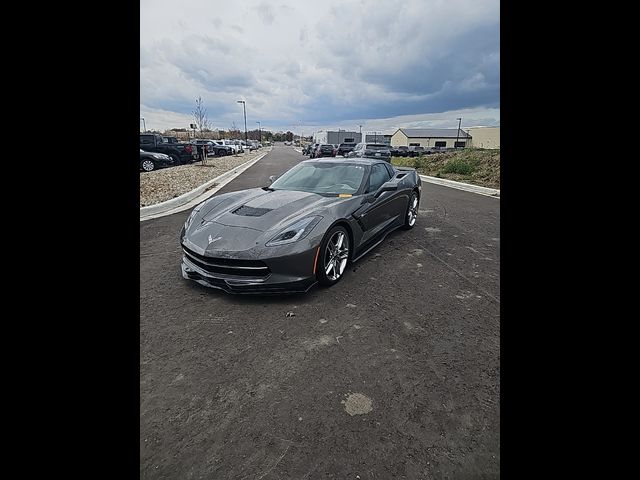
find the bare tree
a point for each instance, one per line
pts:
(202, 122)
(200, 116)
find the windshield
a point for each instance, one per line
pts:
(322, 178)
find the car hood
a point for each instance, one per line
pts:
(242, 220)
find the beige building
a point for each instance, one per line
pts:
(485, 137)
(430, 137)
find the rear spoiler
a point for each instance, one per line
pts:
(404, 169)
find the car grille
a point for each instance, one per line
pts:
(228, 266)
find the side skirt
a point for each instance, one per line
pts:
(381, 238)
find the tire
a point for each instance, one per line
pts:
(411, 215)
(147, 165)
(176, 159)
(327, 247)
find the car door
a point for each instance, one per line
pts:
(380, 213)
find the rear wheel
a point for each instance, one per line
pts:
(333, 257)
(412, 212)
(147, 165)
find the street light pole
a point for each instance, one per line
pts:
(143, 123)
(458, 134)
(244, 107)
(259, 132)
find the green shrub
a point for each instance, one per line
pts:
(419, 162)
(458, 166)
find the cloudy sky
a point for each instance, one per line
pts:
(307, 65)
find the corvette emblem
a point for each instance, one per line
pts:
(211, 240)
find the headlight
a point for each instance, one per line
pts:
(193, 214)
(295, 232)
(160, 156)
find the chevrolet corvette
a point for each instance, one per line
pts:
(301, 230)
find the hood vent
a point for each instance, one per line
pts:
(245, 211)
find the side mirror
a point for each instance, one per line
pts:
(386, 187)
(272, 178)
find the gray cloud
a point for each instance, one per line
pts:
(320, 64)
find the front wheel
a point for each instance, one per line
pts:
(412, 212)
(147, 165)
(333, 257)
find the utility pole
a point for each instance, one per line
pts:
(244, 107)
(143, 124)
(458, 134)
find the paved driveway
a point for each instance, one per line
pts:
(392, 373)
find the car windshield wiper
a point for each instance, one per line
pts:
(268, 189)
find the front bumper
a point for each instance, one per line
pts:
(288, 274)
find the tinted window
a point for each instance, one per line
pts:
(441, 144)
(147, 140)
(379, 175)
(376, 146)
(390, 170)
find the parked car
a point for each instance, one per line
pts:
(431, 150)
(208, 146)
(415, 151)
(302, 229)
(222, 149)
(235, 146)
(371, 150)
(345, 148)
(403, 151)
(150, 161)
(181, 153)
(325, 150)
(312, 150)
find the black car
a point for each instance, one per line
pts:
(371, 150)
(325, 150)
(345, 148)
(303, 229)
(403, 151)
(415, 151)
(150, 161)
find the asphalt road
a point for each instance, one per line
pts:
(392, 373)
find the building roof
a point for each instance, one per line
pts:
(434, 132)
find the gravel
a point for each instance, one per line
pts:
(167, 183)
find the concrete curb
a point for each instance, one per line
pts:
(490, 192)
(155, 211)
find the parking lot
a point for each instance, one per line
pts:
(392, 373)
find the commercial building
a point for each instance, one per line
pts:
(377, 137)
(430, 137)
(485, 137)
(336, 137)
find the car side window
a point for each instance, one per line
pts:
(377, 177)
(390, 170)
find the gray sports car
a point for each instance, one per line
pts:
(301, 230)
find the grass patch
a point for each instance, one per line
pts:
(458, 166)
(470, 165)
